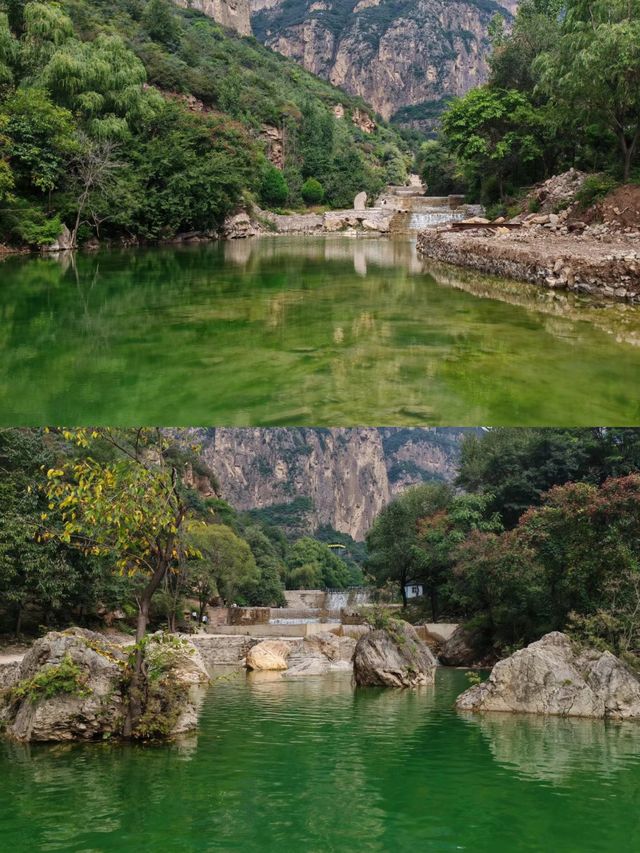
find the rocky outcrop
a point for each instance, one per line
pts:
(63, 242)
(341, 471)
(346, 475)
(9, 673)
(552, 677)
(274, 143)
(233, 14)
(321, 653)
(458, 649)
(268, 655)
(240, 225)
(393, 657)
(71, 685)
(412, 54)
(68, 688)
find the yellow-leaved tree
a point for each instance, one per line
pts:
(120, 498)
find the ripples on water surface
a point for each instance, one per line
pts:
(322, 331)
(311, 765)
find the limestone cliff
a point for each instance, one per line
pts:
(402, 56)
(233, 14)
(346, 475)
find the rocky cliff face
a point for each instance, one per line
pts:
(401, 56)
(233, 14)
(346, 475)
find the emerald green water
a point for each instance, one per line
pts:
(311, 765)
(322, 331)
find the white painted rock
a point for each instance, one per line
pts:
(360, 201)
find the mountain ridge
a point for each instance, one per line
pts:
(395, 54)
(337, 478)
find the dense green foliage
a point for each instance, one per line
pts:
(546, 537)
(84, 528)
(314, 565)
(516, 467)
(54, 575)
(564, 91)
(143, 120)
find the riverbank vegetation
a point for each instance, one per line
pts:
(108, 527)
(141, 120)
(539, 532)
(545, 536)
(563, 91)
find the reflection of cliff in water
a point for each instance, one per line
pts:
(552, 749)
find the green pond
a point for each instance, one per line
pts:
(312, 766)
(315, 331)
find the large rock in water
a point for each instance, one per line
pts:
(551, 677)
(458, 649)
(393, 657)
(321, 653)
(67, 688)
(268, 655)
(70, 686)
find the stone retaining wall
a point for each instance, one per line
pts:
(611, 270)
(221, 650)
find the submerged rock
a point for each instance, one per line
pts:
(393, 657)
(551, 677)
(268, 655)
(72, 685)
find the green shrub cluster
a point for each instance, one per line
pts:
(55, 680)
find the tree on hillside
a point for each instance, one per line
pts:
(312, 191)
(535, 30)
(393, 541)
(273, 187)
(571, 564)
(123, 503)
(43, 576)
(595, 70)
(440, 534)
(160, 21)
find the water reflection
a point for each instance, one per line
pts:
(553, 749)
(330, 331)
(314, 765)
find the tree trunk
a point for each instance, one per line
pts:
(434, 604)
(628, 153)
(137, 682)
(19, 621)
(403, 588)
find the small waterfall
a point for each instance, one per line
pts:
(336, 599)
(430, 218)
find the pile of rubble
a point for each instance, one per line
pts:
(557, 193)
